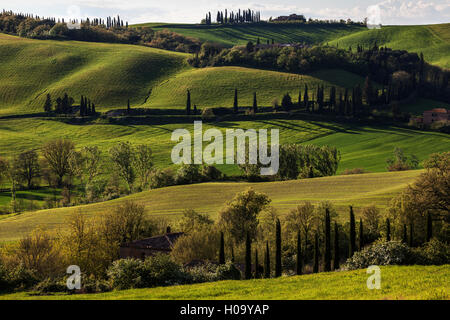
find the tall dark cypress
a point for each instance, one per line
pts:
(235, 103)
(255, 103)
(429, 227)
(267, 261)
(299, 254)
(299, 98)
(411, 235)
(388, 229)
(278, 250)
(188, 103)
(336, 247)
(222, 250)
(232, 254)
(248, 258)
(316, 253)
(327, 256)
(361, 234)
(257, 275)
(405, 234)
(128, 107)
(306, 99)
(352, 233)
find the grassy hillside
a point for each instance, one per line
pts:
(231, 35)
(360, 146)
(397, 283)
(356, 190)
(432, 40)
(214, 87)
(107, 73)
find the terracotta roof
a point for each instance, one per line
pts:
(438, 110)
(163, 242)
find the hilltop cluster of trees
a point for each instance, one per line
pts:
(401, 74)
(64, 105)
(231, 17)
(112, 30)
(301, 19)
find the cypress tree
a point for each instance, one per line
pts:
(429, 227)
(327, 259)
(299, 98)
(411, 235)
(188, 103)
(278, 250)
(352, 233)
(255, 103)
(232, 254)
(361, 234)
(306, 98)
(316, 253)
(235, 103)
(257, 275)
(128, 106)
(222, 250)
(267, 262)
(336, 247)
(388, 229)
(405, 234)
(299, 254)
(48, 104)
(248, 258)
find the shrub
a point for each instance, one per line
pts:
(381, 253)
(94, 285)
(203, 273)
(433, 252)
(161, 270)
(210, 173)
(161, 178)
(188, 174)
(21, 278)
(51, 285)
(228, 271)
(125, 274)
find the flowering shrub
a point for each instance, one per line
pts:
(380, 253)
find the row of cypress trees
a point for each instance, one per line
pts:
(327, 257)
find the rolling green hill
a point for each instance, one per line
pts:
(231, 35)
(357, 190)
(398, 283)
(109, 74)
(432, 40)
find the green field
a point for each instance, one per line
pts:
(231, 35)
(397, 283)
(109, 74)
(432, 40)
(357, 190)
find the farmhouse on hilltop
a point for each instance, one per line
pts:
(434, 115)
(141, 249)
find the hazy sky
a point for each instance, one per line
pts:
(390, 11)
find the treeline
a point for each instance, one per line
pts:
(401, 74)
(231, 17)
(111, 30)
(301, 19)
(64, 105)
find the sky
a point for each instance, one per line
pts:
(387, 12)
